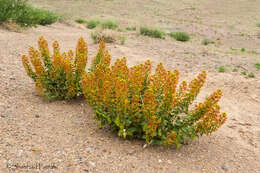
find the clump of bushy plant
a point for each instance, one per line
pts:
(80, 20)
(18, 11)
(109, 25)
(56, 76)
(207, 41)
(180, 36)
(93, 23)
(108, 35)
(138, 104)
(155, 33)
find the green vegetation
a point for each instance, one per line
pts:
(108, 35)
(122, 39)
(243, 49)
(222, 69)
(93, 23)
(251, 75)
(57, 75)
(109, 25)
(137, 103)
(253, 52)
(26, 16)
(79, 20)
(131, 28)
(180, 36)
(257, 66)
(97, 35)
(154, 33)
(258, 24)
(235, 70)
(207, 41)
(243, 73)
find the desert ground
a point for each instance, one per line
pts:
(64, 135)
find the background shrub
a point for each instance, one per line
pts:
(108, 35)
(56, 76)
(180, 36)
(79, 20)
(109, 25)
(138, 104)
(257, 66)
(131, 28)
(207, 42)
(18, 11)
(155, 33)
(93, 23)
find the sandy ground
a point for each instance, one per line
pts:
(64, 136)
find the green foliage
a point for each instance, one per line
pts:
(109, 25)
(155, 33)
(207, 42)
(79, 20)
(251, 75)
(258, 24)
(257, 66)
(122, 40)
(243, 49)
(93, 23)
(140, 104)
(235, 70)
(131, 28)
(222, 69)
(243, 73)
(18, 11)
(56, 76)
(180, 36)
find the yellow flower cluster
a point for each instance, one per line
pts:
(134, 101)
(145, 105)
(57, 75)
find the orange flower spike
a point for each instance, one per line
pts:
(68, 68)
(81, 55)
(43, 46)
(152, 126)
(211, 121)
(107, 58)
(207, 104)
(70, 54)
(170, 89)
(34, 56)
(149, 101)
(120, 69)
(57, 59)
(195, 87)
(148, 66)
(26, 64)
(159, 77)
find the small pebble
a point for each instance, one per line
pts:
(86, 170)
(19, 153)
(37, 116)
(224, 167)
(92, 164)
(89, 149)
(3, 115)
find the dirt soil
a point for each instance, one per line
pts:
(64, 136)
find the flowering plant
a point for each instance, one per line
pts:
(139, 104)
(58, 75)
